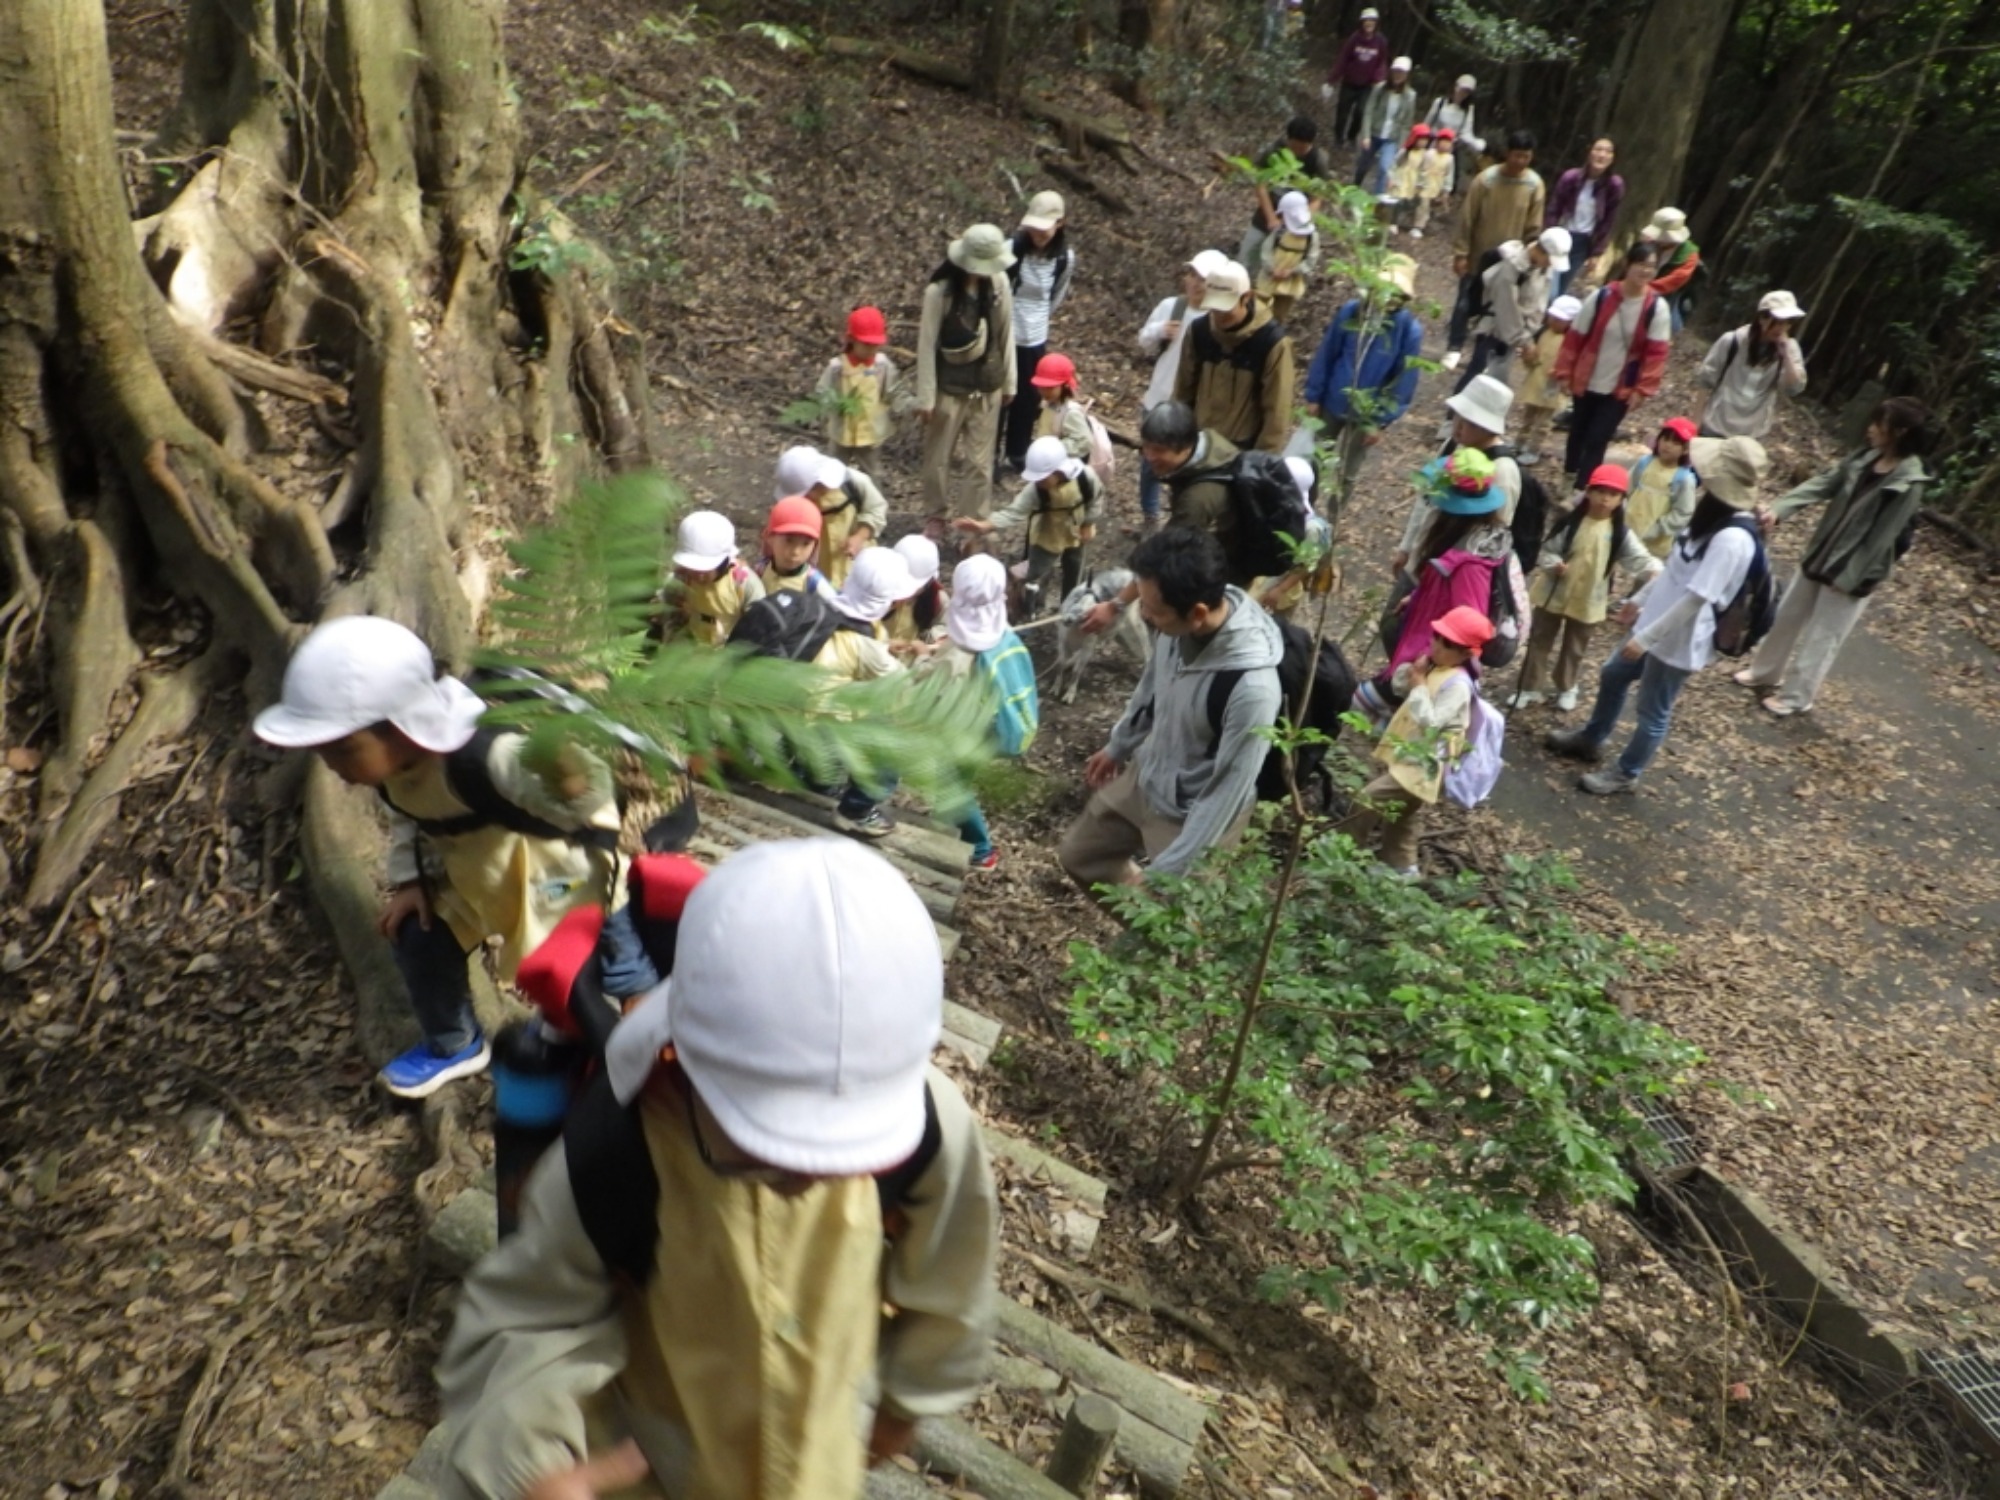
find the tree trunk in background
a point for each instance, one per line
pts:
(995, 77)
(1661, 98)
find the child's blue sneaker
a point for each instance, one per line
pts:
(420, 1072)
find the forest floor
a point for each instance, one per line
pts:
(198, 1172)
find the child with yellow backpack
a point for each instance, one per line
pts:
(858, 389)
(1289, 256)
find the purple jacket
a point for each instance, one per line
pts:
(1363, 61)
(1569, 187)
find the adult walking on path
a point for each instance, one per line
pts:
(1364, 376)
(1363, 62)
(1300, 133)
(1458, 113)
(1390, 111)
(1161, 339)
(1613, 357)
(1673, 617)
(1513, 300)
(1175, 779)
(1680, 258)
(1238, 371)
(1039, 279)
(1585, 202)
(965, 372)
(1872, 498)
(1505, 202)
(1748, 367)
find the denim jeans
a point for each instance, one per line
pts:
(622, 960)
(1373, 165)
(973, 830)
(1659, 685)
(434, 972)
(855, 802)
(1149, 491)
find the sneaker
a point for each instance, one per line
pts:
(871, 825)
(1525, 699)
(990, 860)
(1575, 743)
(1748, 678)
(1607, 783)
(1566, 700)
(1529, 459)
(1404, 872)
(420, 1072)
(1782, 708)
(1450, 361)
(1416, 234)
(1563, 418)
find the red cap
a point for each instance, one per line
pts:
(661, 883)
(795, 516)
(1610, 477)
(548, 975)
(1445, 133)
(1420, 132)
(1053, 371)
(1681, 427)
(866, 325)
(1464, 626)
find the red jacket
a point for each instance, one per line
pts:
(1646, 360)
(1679, 270)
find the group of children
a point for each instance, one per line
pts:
(1423, 177)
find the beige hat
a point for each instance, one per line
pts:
(1730, 468)
(1225, 287)
(981, 251)
(1669, 225)
(1484, 403)
(1467, 81)
(1780, 305)
(1206, 261)
(1045, 211)
(1400, 271)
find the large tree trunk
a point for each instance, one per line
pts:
(1661, 97)
(356, 162)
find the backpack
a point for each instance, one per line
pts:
(1531, 511)
(1332, 693)
(1103, 458)
(1747, 618)
(1483, 307)
(1470, 779)
(790, 625)
(1012, 672)
(963, 329)
(1268, 511)
(1507, 607)
(1247, 357)
(1025, 247)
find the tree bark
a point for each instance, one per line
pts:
(1661, 98)
(997, 75)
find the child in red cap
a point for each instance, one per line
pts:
(1425, 736)
(791, 542)
(1063, 416)
(1663, 487)
(1571, 590)
(858, 388)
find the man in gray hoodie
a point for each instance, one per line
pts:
(1176, 778)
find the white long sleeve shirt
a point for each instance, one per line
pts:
(1165, 349)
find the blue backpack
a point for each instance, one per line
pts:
(1748, 617)
(1012, 672)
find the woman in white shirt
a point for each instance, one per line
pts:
(1673, 617)
(1044, 265)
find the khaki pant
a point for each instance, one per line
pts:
(1397, 815)
(1813, 624)
(1553, 633)
(1534, 427)
(968, 426)
(1115, 826)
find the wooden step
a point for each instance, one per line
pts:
(946, 853)
(970, 1034)
(1077, 1226)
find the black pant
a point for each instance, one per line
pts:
(1462, 308)
(1353, 103)
(1592, 425)
(1485, 349)
(1017, 425)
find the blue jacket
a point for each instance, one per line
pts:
(1386, 367)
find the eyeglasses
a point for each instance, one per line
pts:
(757, 1173)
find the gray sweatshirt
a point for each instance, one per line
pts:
(1186, 771)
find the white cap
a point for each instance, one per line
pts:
(361, 670)
(1297, 212)
(920, 554)
(823, 1074)
(1566, 308)
(1226, 286)
(1206, 261)
(1046, 456)
(1484, 403)
(706, 540)
(1467, 81)
(1780, 305)
(1045, 210)
(798, 470)
(1400, 65)
(1301, 470)
(976, 618)
(878, 581)
(1371, 14)
(1555, 244)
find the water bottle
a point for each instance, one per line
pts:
(532, 1071)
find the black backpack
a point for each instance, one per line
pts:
(1267, 511)
(1025, 247)
(1248, 356)
(1332, 694)
(790, 624)
(1749, 615)
(1483, 305)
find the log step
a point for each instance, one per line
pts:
(969, 1034)
(945, 853)
(1078, 1226)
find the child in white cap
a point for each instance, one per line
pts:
(791, 1166)
(712, 585)
(853, 511)
(1058, 505)
(1289, 257)
(481, 845)
(978, 639)
(1538, 396)
(916, 623)
(880, 580)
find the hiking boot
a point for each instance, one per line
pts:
(1575, 743)
(1563, 418)
(990, 860)
(1607, 783)
(1566, 701)
(870, 825)
(420, 1072)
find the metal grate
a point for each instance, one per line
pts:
(1682, 1152)
(1972, 1381)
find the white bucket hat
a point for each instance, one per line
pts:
(976, 618)
(920, 554)
(981, 251)
(1780, 305)
(798, 470)
(1297, 212)
(876, 584)
(1555, 243)
(706, 540)
(361, 670)
(823, 1074)
(1484, 403)
(1668, 225)
(1045, 210)
(1224, 287)
(1046, 456)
